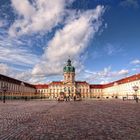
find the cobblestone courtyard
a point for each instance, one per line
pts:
(85, 120)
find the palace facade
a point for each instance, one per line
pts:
(16, 89)
(117, 89)
(68, 85)
(128, 87)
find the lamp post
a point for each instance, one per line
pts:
(4, 89)
(65, 90)
(115, 90)
(22, 88)
(41, 94)
(65, 93)
(69, 94)
(135, 88)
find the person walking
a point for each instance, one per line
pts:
(137, 99)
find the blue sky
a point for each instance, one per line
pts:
(102, 37)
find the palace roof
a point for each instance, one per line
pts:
(81, 82)
(123, 81)
(56, 83)
(41, 86)
(68, 68)
(96, 86)
(15, 81)
(118, 82)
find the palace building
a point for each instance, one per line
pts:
(128, 87)
(117, 89)
(16, 89)
(68, 85)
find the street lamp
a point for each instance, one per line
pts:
(135, 88)
(4, 89)
(115, 90)
(22, 88)
(41, 94)
(69, 94)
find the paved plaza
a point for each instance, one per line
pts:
(81, 120)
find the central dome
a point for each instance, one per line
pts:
(69, 67)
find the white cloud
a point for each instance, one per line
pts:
(20, 75)
(42, 15)
(111, 49)
(104, 82)
(130, 3)
(1, 23)
(71, 41)
(12, 52)
(23, 8)
(27, 76)
(135, 62)
(123, 72)
(16, 57)
(105, 76)
(8, 70)
(4, 69)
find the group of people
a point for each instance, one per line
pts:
(135, 98)
(67, 98)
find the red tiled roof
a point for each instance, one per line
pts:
(15, 81)
(81, 82)
(123, 81)
(41, 86)
(96, 86)
(100, 86)
(118, 82)
(56, 83)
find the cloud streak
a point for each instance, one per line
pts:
(111, 49)
(11, 51)
(105, 76)
(41, 15)
(71, 41)
(135, 62)
(130, 3)
(1, 23)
